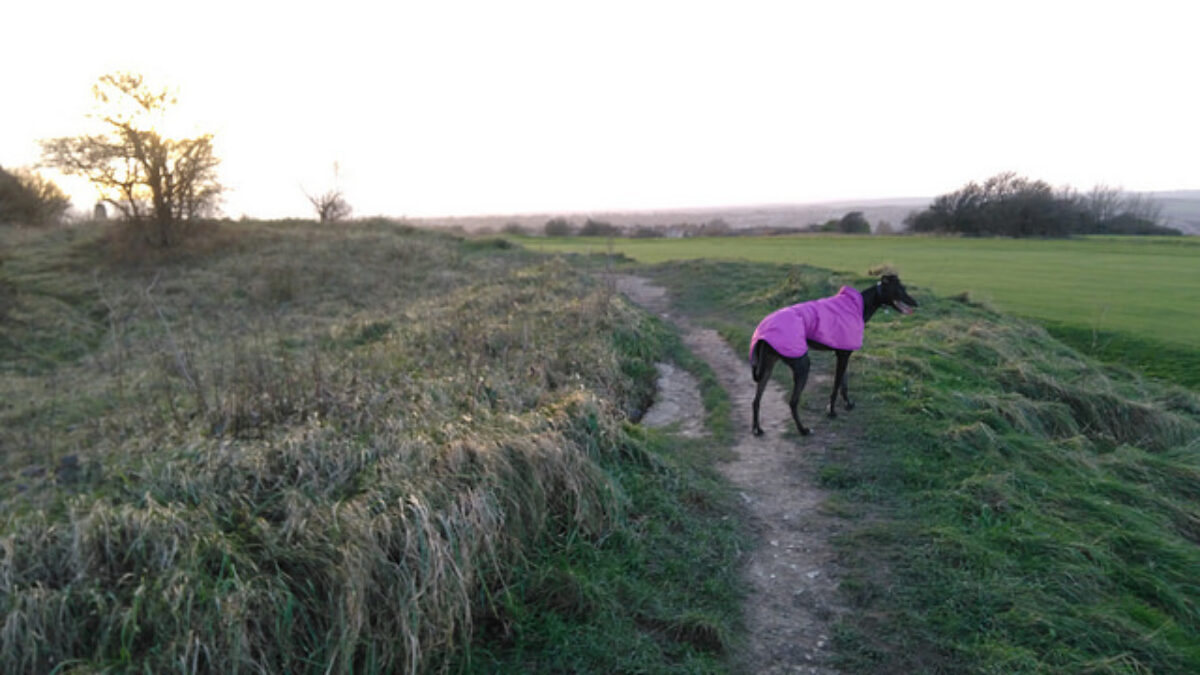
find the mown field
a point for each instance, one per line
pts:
(1126, 300)
(1013, 506)
(284, 447)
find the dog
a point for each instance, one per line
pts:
(828, 324)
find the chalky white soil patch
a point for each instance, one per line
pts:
(675, 403)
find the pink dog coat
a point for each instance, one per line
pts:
(835, 322)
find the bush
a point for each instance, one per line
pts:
(646, 232)
(558, 227)
(1129, 224)
(26, 198)
(716, 227)
(599, 228)
(851, 223)
(854, 223)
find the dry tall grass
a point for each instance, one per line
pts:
(292, 448)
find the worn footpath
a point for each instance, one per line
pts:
(791, 573)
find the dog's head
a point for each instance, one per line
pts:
(892, 293)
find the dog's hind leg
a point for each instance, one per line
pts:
(839, 383)
(760, 369)
(800, 368)
(846, 384)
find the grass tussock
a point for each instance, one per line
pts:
(1021, 507)
(304, 449)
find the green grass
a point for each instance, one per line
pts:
(659, 594)
(1019, 507)
(287, 447)
(293, 448)
(1105, 295)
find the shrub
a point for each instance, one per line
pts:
(558, 227)
(27, 198)
(854, 223)
(646, 232)
(599, 228)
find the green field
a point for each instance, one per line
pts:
(1097, 289)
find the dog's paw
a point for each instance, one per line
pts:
(804, 431)
(832, 414)
(849, 405)
(757, 431)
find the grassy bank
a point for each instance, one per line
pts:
(293, 448)
(1020, 507)
(1126, 300)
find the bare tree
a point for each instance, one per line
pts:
(153, 181)
(1106, 204)
(1143, 207)
(1103, 203)
(330, 206)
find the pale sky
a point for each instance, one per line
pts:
(458, 108)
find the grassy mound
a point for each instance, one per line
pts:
(290, 448)
(1020, 507)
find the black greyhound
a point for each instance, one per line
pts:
(889, 291)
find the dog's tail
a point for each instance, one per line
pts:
(756, 360)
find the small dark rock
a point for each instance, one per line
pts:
(68, 468)
(33, 471)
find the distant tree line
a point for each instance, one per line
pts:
(852, 223)
(1008, 205)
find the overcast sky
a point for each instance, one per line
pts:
(456, 108)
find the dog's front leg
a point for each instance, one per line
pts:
(846, 379)
(800, 368)
(839, 383)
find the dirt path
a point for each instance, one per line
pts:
(791, 574)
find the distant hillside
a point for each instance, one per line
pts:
(738, 217)
(1181, 210)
